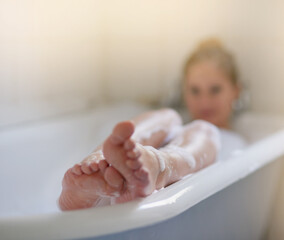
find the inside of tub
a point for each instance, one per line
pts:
(35, 157)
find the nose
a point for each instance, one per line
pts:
(204, 100)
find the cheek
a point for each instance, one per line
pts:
(223, 103)
(191, 101)
(191, 105)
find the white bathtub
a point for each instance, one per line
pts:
(231, 199)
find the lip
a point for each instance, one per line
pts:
(206, 113)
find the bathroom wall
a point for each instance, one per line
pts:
(50, 58)
(147, 52)
(64, 56)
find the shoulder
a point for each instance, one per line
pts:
(233, 138)
(230, 142)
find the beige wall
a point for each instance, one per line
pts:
(49, 58)
(61, 56)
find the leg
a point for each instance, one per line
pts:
(87, 183)
(153, 128)
(156, 128)
(145, 168)
(195, 148)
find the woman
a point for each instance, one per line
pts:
(155, 149)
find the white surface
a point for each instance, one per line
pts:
(35, 158)
(60, 57)
(231, 143)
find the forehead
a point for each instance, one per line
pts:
(206, 73)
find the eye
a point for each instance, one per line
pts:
(215, 89)
(194, 90)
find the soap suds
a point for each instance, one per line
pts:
(175, 131)
(189, 158)
(146, 129)
(159, 157)
(96, 156)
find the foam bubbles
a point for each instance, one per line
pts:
(159, 157)
(189, 158)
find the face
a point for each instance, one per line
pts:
(209, 93)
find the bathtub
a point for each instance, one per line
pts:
(230, 199)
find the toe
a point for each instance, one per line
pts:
(129, 145)
(86, 168)
(134, 165)
(141, 174)
(113, 177)
(135, 153)
(94, 166)
(103, 165)
(121, 132)
(77, 169)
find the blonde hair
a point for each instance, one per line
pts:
(213, 50)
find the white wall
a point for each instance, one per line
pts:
(62, 56)
(50, 58)
(146, 44)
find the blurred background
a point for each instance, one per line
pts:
(65, 56)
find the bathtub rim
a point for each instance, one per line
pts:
(158, 207)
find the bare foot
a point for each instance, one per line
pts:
(138, 165)
(89, 183)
